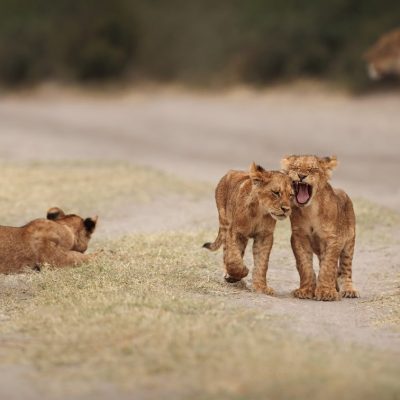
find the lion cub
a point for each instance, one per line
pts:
(249, 203)
(323, 222)
(58, 240)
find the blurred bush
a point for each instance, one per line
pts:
(202, 42)
(65, 39)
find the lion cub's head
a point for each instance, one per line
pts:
(273, 190)
(82, 228)
(309, 174)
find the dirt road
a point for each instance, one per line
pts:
(203, 135)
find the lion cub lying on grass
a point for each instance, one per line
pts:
(323, 223)
(60, 240)
(249, 203)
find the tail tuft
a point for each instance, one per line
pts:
(217, 243)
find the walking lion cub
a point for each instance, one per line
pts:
(249, 203)
(60, 240)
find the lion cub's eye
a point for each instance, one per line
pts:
(291, 195)
(258, 182)
(276, 194)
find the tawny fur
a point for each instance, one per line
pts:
(60, 240)
(249, 203)
(383, 57)
(325, 226)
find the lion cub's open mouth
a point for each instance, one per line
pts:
(303, 192)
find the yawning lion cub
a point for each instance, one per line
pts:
(60, 240)
(323, 223)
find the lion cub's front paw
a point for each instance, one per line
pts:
(304, 293)
(352, 293)
(235, 275)
(231, 279)
(264, 290)
(245, 272)
(327, 294)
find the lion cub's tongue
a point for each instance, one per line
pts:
(302, 194)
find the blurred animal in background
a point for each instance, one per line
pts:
(60, 240)
(323, 223)
(383, 58)
(249, 204)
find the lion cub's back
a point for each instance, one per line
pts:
(20, 247)
(346, 205)
(228, 188)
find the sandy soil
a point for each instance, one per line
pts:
(203, 135)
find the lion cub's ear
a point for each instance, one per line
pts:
(55, 213)
(257, 173)
(285, 162)
(329, 163)
(90, 224)
(254, 168)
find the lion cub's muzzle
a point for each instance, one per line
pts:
(281, 214)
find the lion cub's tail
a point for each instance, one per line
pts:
(218, 241)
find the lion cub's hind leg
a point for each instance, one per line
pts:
(327, 277)
(345, 281)
(261, 250)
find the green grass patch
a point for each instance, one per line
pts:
(154, 316)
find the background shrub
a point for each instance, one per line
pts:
(204, 42)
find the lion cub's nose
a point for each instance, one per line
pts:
(301, 177)
(285, 209)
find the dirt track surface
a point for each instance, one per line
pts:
(203, 135)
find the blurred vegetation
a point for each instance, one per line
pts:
(200, 42)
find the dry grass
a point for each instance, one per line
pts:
(155, 317)
(28, 190)
(375, 223)
(386, 308)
